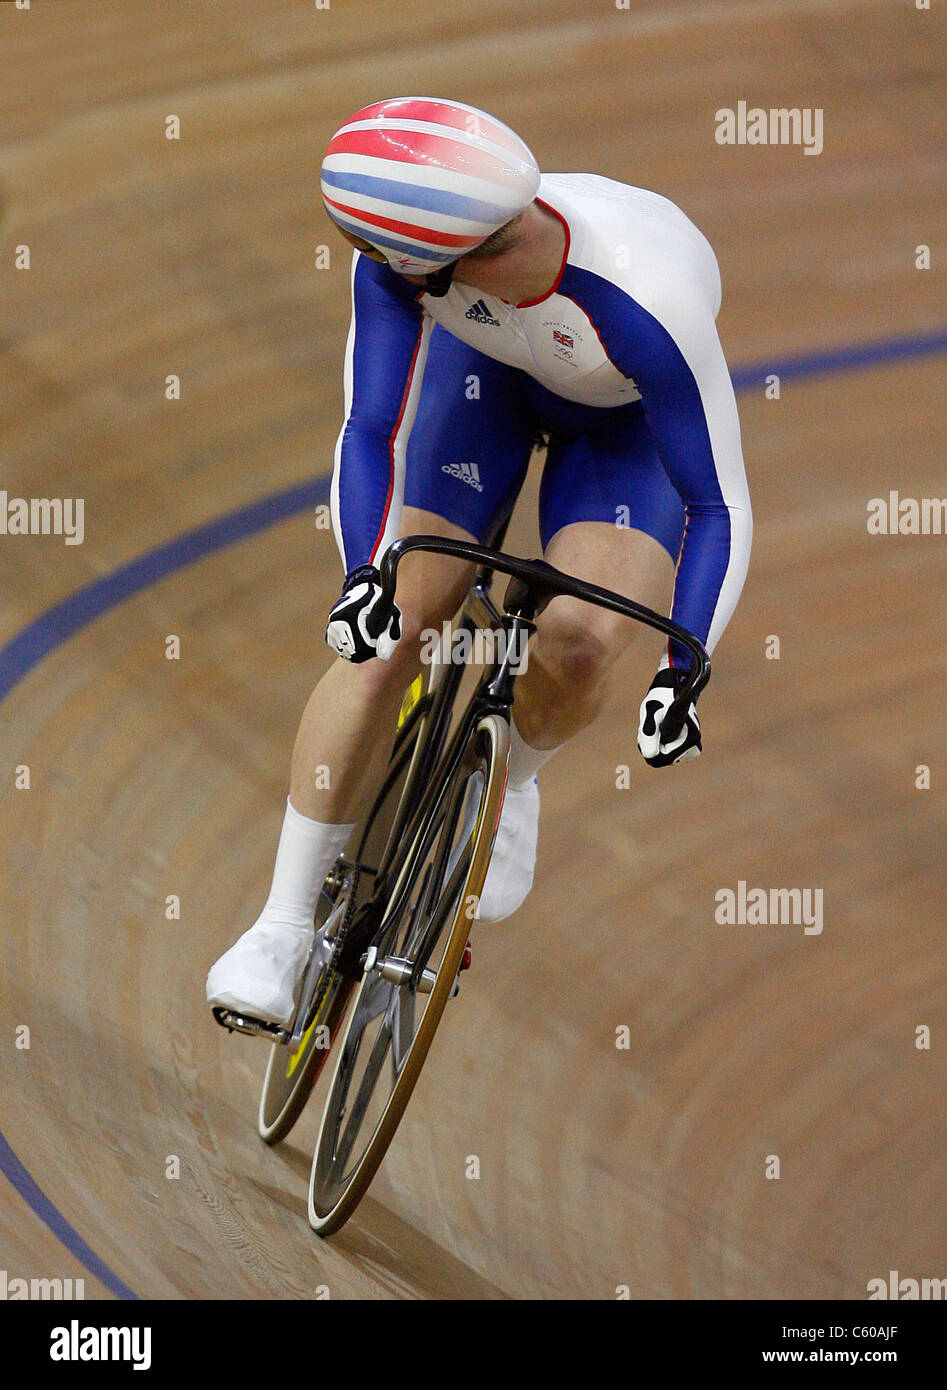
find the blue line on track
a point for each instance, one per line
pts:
(62, 621)
(47, 632)
(844, 359)
(57, 1223)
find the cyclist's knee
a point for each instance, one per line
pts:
(424, 615)
(576, 652)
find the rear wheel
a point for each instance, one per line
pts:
(292, 1073)
(409, 975)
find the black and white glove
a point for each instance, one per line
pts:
(350, 631)
(656, 750)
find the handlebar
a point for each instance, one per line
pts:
(545, 580)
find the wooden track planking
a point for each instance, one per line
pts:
(599, 1167)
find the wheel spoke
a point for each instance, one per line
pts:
(423, 930)
(359, 1106)
(403, 1029)
(444, 840)
(398, 1008)
(461, 856)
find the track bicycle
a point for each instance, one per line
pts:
(395, 912)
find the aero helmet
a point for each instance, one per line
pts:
(424, 181)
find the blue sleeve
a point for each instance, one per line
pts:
(384, 364)
(688, 400)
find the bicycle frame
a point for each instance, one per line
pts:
(433, 768)
(533, 583)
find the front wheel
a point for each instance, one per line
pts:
(409, 975)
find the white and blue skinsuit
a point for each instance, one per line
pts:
(619, 366)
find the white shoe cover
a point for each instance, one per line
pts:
(510, 875)
(259, 974)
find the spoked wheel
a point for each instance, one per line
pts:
(409, 975)
(291, 1073)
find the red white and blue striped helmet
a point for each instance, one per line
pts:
(425, 180)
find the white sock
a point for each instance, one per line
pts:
(306, 852)
(525, 761)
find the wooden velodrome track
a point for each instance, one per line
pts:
(600, 1167)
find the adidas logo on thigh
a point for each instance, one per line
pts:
(466, 472)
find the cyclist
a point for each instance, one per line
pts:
(491, 306)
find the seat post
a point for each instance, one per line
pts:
(526, 598)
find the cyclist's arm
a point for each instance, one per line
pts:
(690, 406)
(671, 351)
(384, 364)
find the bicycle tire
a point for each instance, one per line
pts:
(291, 1076)
(330, 1207)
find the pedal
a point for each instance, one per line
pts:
(252, 1027)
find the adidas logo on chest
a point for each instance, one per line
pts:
(480, 313)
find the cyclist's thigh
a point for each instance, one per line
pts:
(431, 587)
(471, 439)
(609, 514)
